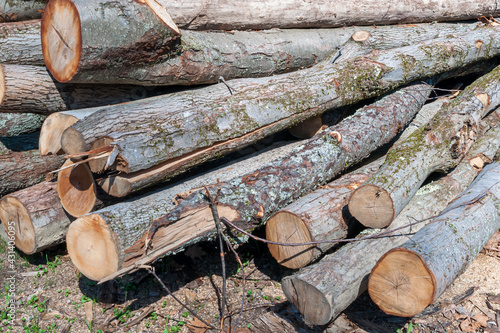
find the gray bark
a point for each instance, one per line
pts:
(445, 247)
(20, 43)
(321, 299)
(257, 14)
(20, 10)
(263, 106)
(13, 124)
(438, 147)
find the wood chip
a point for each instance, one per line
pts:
(88, 311)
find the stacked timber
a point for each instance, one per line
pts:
(105, 102)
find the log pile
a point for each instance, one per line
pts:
(182, 85)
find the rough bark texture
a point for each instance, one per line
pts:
(19, 170)
(322, 214)
(20, 10)
(438, 147)
(323, 290)
(82, 34)
(257, 14)
(186, 135)
(39, 224)
(31, 89)
(13, 124)
(203, 57)
(250, 199)
(20, 43)
(439, 252)
(126, 220)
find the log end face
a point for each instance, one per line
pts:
(115, 186)
(73, 142)
(307, 128)
(61, 39)
(2, 84)
(97, 165)
(401, 283)
(17, 222)
(76, 189)
(308, 300)
(51, 132)
(372, 206)
(92, 247)
(285, 227)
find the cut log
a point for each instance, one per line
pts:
(20, 43)
(37, 216)
(21, 10)
(170, 138)
(321, 215)
(224, 15)
(81, 33)
(321, 299)
(31, 89)
(250, 199)
(13, 124)
(203, 57)
(409, 278)
(19, 170)
(127, 219)
(76, 189)
(438, 147)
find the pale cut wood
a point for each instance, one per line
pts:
(13, 124)
(256, 195)
(20, 43)
(182, 136)
(347, 268)
(409, 278)
(127, 219)
(77, 34)
(25, 88)
(37, 217)
(257, 14)
(203, 57)
(321, 215)
(437, 148)
(3, 149)
(76, 189)
(20, 10)
(19, 170)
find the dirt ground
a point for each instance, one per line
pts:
(52, 296)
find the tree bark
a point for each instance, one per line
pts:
(321, 299)
(322, 214)
(439, 147)
(21, 10)
(256, 14)
(203, 57)
(439, 252)
(39, 224)
(250, 199)
(127, 219)
(20, 43)
(13, 124)
(31, 89)
(174, 139)
(19, 170)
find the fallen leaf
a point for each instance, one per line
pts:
(484, 99)
(481, 319)
(197, 326)
(467, 325)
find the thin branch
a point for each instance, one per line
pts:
(228, 243)
(213, 207)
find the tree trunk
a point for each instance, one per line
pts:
(20, 43)
(31, 88)
(321, 299)
(226, 15)
(322, 214)
(13, 124)
(39, 224)
(87, 36)
(127, 219)
(173, 140)
(19, 170)
(439, 252)
(438, 147)
(21, 10)
(203, 57)
(253, 197)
